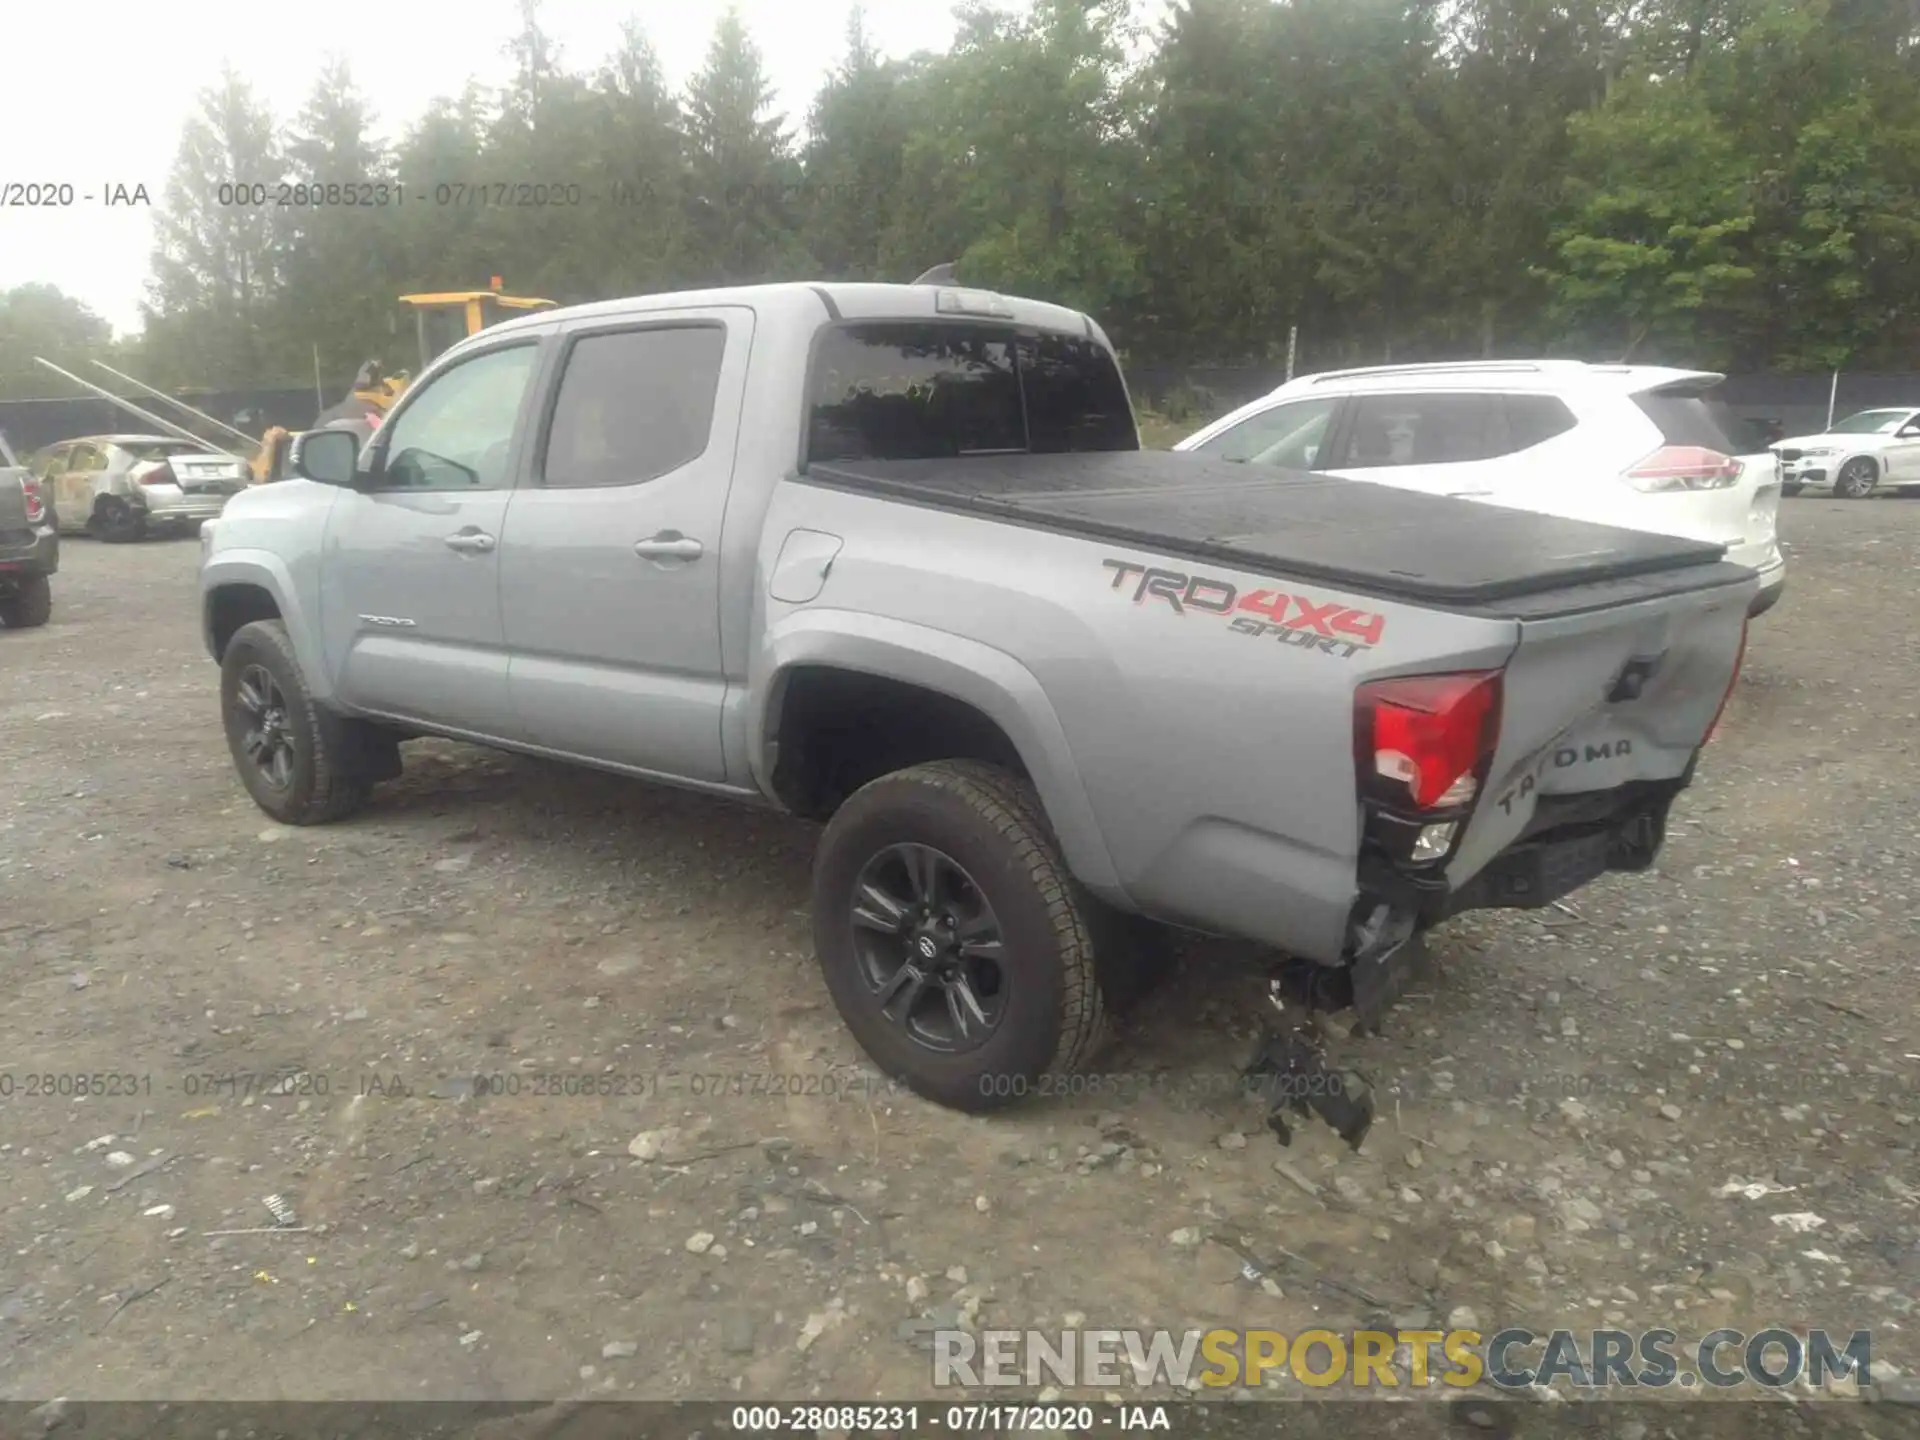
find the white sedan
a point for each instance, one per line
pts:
(1874, 450)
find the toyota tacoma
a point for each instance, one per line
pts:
(891, 557)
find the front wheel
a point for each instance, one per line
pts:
(1789, 489)
(952, 938)
(30, 604)
(1856, 479)
(288, 750)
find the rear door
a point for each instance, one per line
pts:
(610, 560)
(1438, 441)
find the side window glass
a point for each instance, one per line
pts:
(84, 458)
(1290, 437)
(48, 463)
(1440, 429)
(457, 433)
(633, 405)
(1535, 419)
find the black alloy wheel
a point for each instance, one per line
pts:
(930, 948)
(267, 735)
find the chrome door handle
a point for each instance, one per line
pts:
(669, 546)
(470, 542)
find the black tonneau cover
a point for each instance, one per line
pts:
(1372, 538)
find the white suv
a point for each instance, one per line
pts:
(1630, 445)
(1874, 450)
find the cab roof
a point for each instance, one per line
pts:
(832, 300)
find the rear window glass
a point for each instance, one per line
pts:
(1693, 417)
(919, 390)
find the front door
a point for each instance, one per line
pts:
(611, 562)
(1901, 457)
(410, 575)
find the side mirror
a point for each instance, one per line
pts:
(326, 457)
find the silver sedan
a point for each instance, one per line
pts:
(121, 487)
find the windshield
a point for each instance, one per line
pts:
(145, 450)
(920, 390)
(1870, 422)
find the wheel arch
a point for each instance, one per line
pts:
(956, 679)
(237, 588)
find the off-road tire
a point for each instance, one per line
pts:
(1845, 489)
(322, 789)
(989, 822)
(29, 605)
(1132, 955)
(118, 523)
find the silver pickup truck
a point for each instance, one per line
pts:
(891, 557)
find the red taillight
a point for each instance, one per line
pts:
(36, 507)
(161, 474)
(1434, 735)
(1739, 659)
(1684, 467)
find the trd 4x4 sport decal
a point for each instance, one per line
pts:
(1291, 619)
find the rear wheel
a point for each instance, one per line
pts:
(118, 523)
(953, 940)
(30, 604)
(1856, 479)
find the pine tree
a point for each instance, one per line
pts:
(743, 179)
(217, 262)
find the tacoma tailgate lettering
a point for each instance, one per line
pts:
(1561, 757)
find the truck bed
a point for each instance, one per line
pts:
(1375, 539)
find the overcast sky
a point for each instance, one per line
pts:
(98, 91)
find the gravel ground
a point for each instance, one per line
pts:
(730, 1205)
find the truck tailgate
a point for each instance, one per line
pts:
(1603, 696)
(1397, 544)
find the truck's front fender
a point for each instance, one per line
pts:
(990, 680)
(263, 570)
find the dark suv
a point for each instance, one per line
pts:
(29, 547)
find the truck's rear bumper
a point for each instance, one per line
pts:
(34, 552)
(1571, 841)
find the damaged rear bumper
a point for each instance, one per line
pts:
(1571, 841)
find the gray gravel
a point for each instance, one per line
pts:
(1689, 1103)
